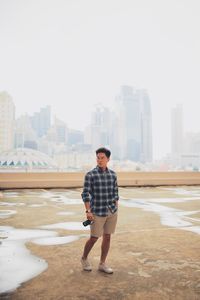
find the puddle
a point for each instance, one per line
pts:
(56, 240)
(173, 200)
(195, 229)
(24, 235)
(168, 216)
(65, 213)
(17, 263)
(67, 201)
(6, 213)
(11, 204)
(66, 225)
(10, 194)
(182, 191)
(37, 205)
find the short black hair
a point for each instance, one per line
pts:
(104, 150)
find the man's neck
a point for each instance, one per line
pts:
(103, 168)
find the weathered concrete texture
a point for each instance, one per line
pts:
(151, 261)
(70, 180)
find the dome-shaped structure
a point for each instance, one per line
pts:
(26, 158)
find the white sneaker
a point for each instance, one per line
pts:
(105, 269)
(86, 265)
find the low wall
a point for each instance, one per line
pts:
(70, 180)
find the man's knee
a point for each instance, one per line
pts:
(106, 236)
(93, 239)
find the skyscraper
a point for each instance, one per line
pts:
(61, 131)
(134, 128)
(7, 117)
(25, 136)
(177, 129)
(146, 126)
(130, 122)
(98, 133)
(41, 121)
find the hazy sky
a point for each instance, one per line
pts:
(72, 54)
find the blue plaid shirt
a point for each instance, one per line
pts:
(101, 190)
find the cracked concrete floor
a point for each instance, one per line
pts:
(154, 252)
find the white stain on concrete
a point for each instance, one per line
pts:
(195, 229)
(66, 201)
(62, 197)
(168, 216)
(56, 240)
(24, 235)
(66, 213)
(37, 205)
(172, 200)
(183, 191)
(17, 263)
(7, 213)
(11, 204)
(65, 225)
(10, 194)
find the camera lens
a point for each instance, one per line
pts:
(87, 222)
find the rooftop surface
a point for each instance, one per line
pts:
(154, 252)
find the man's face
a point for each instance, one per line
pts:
(102, 160)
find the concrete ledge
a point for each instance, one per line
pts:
(70, 180)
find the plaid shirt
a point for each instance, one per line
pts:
(101, 190)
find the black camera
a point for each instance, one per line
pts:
(87, 222)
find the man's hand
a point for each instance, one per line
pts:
(90, 216)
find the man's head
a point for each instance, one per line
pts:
(103, 157)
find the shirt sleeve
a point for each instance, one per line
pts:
(116, 189)
(86, 194)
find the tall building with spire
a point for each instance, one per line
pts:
(177, 129)
(7, 118)
(134, 125)
(129, 120)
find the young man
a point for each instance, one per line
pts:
(100, 196)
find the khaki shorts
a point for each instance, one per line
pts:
(103, 225)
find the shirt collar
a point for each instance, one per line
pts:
(101, 170)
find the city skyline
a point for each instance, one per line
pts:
(38, 117)
(126, 129)
(73, 54)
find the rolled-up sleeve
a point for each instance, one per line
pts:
(86, 194)
(116, 190)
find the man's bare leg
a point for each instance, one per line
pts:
(104, 252)
(88, 246)
(105, 247)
